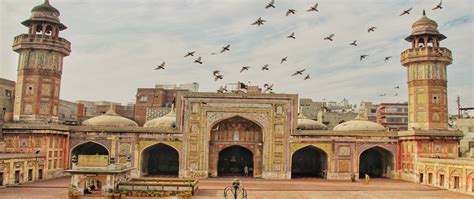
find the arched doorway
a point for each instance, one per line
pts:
(376, 162)
(226, 137)
(235, 161)
(90, 148)
(160, 160)
(309, 161)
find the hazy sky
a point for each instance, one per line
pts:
(116, 44)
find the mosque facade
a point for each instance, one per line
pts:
(253, 134)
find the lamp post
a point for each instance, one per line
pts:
(235, 189)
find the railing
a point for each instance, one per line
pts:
(426, 52)
(159, 187)
(45, 39)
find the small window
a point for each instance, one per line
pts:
(8, 93)
(143, 98)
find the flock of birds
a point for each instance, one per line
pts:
(260, 22)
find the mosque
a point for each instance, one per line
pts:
(209, 134)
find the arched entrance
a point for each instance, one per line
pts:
(234, 143)
(309, 161)
(160, 160)
(89, 148)
(235, 161)
(376, 162)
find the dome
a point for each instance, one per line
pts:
(167, 121)
(423, 26)
(303, 123)
(44, 13)
(110, 119)
(359, 124)
(45, 7)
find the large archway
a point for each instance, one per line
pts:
(160, 160)
(376, 162)
(89, 148)
(235, 161)
(309, 161)
(239, 137)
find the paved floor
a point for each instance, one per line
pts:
(262, 189)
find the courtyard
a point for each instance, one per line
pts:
(258, 188)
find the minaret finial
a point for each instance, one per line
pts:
(46, 2)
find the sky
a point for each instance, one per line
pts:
(116, 44)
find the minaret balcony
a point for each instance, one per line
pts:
(46, 42)
(423, 54)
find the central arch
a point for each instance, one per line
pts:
(89, 148)
(235, 161)
(160, 160)
(239, 138)
(376, 162)
(309, 161)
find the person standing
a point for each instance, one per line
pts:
(246, 170)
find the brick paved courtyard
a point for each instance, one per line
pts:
(288, 189)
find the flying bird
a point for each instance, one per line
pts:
(371, 29)
(270, 5)
(190, 54)
(213, 53)
(244, 68)
(354, 43)
(387, 58)
(216, 72)
(298, 72)
(265, 67)
(258, 22)
(290, 11)
(363, 57)
(198, 60)
(383, 94)
(161, 66)
(329, 37)
(268, 87)
(218, 77)
(314, 8)
(283, 59)
(438, 6)
(292, 35)
(222, 89)
(397, 87)
(406, 12)
(225, 48)
(307, 77)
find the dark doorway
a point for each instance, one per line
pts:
(309, 162)
(376, 162)
(430, 178)
(235, 161)
(30, 174)
(1, 179)
(90, 148)
(421, 177)
(40, 174)
(160, 160)
(17, 177)
(441, 180)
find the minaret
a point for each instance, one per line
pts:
(40, 66)
(426, 64)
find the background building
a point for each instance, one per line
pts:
(394, 116)
(156, 102)
(7, 98)
(328, 113)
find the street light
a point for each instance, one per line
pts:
(235, 189)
